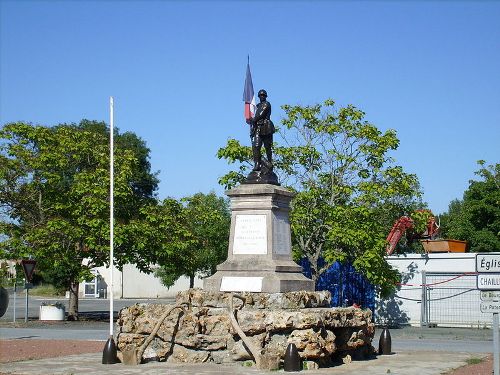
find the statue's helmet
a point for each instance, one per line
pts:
(262, 93)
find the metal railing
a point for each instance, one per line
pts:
(451, 299)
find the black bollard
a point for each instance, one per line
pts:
(385, 342)
(292, 358)
(109, 353)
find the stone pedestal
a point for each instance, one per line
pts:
(204, 331)
(259, 254)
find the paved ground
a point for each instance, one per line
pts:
(54, 334)
(416, 352)
(416, 363)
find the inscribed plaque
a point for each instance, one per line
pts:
(241, 284)
(250, 234)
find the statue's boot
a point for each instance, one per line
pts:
(269, 155)
(256, 161)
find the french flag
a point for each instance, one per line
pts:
(248, 95)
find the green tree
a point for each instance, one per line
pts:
(349, 192)
(476, 217)
(206, 218)
(54, 196)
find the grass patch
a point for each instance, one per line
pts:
(474, 361)
(46, 290)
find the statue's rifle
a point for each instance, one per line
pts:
(253, 129)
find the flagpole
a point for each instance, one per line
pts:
(111, 213)
(109, 352)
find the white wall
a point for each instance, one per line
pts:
(132, 283)
(140, 285)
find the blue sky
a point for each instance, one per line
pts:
(430, 70)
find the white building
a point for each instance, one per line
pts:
(132, 283)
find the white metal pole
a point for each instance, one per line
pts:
(26, 302)
(423, 306)
(496, 360)
(15, 293)
(111, 213)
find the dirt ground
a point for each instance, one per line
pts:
(483, 368)
(26, 349)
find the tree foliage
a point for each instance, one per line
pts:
(349, 192)
(476, 217)
(54, 197)
(206, 220)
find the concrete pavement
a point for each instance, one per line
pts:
(54, 334)
(400, 363)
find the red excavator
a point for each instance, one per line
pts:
(405, 223)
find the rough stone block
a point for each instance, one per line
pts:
(205, 333)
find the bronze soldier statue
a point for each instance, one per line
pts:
(261, 132)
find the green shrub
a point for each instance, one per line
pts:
(46, 290)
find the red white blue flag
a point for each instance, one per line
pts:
(248, 95)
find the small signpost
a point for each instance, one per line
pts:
(28, 268)
(488, 282)
(490, 307)
(491, 295)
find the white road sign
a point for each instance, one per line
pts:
(492, 295)
(486, 281)
(487, 263)
(490, 307)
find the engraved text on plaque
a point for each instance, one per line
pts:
(250, 234)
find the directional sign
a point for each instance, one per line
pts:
(490, 307)
(488, 281)
(487, 263)
(493, 295)
(28, 267)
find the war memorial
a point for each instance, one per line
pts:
(258, 302)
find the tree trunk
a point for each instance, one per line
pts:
(313, 262)
(314, 278)
(73, 300)
(191, 281)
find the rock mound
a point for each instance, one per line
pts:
(201, 331)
